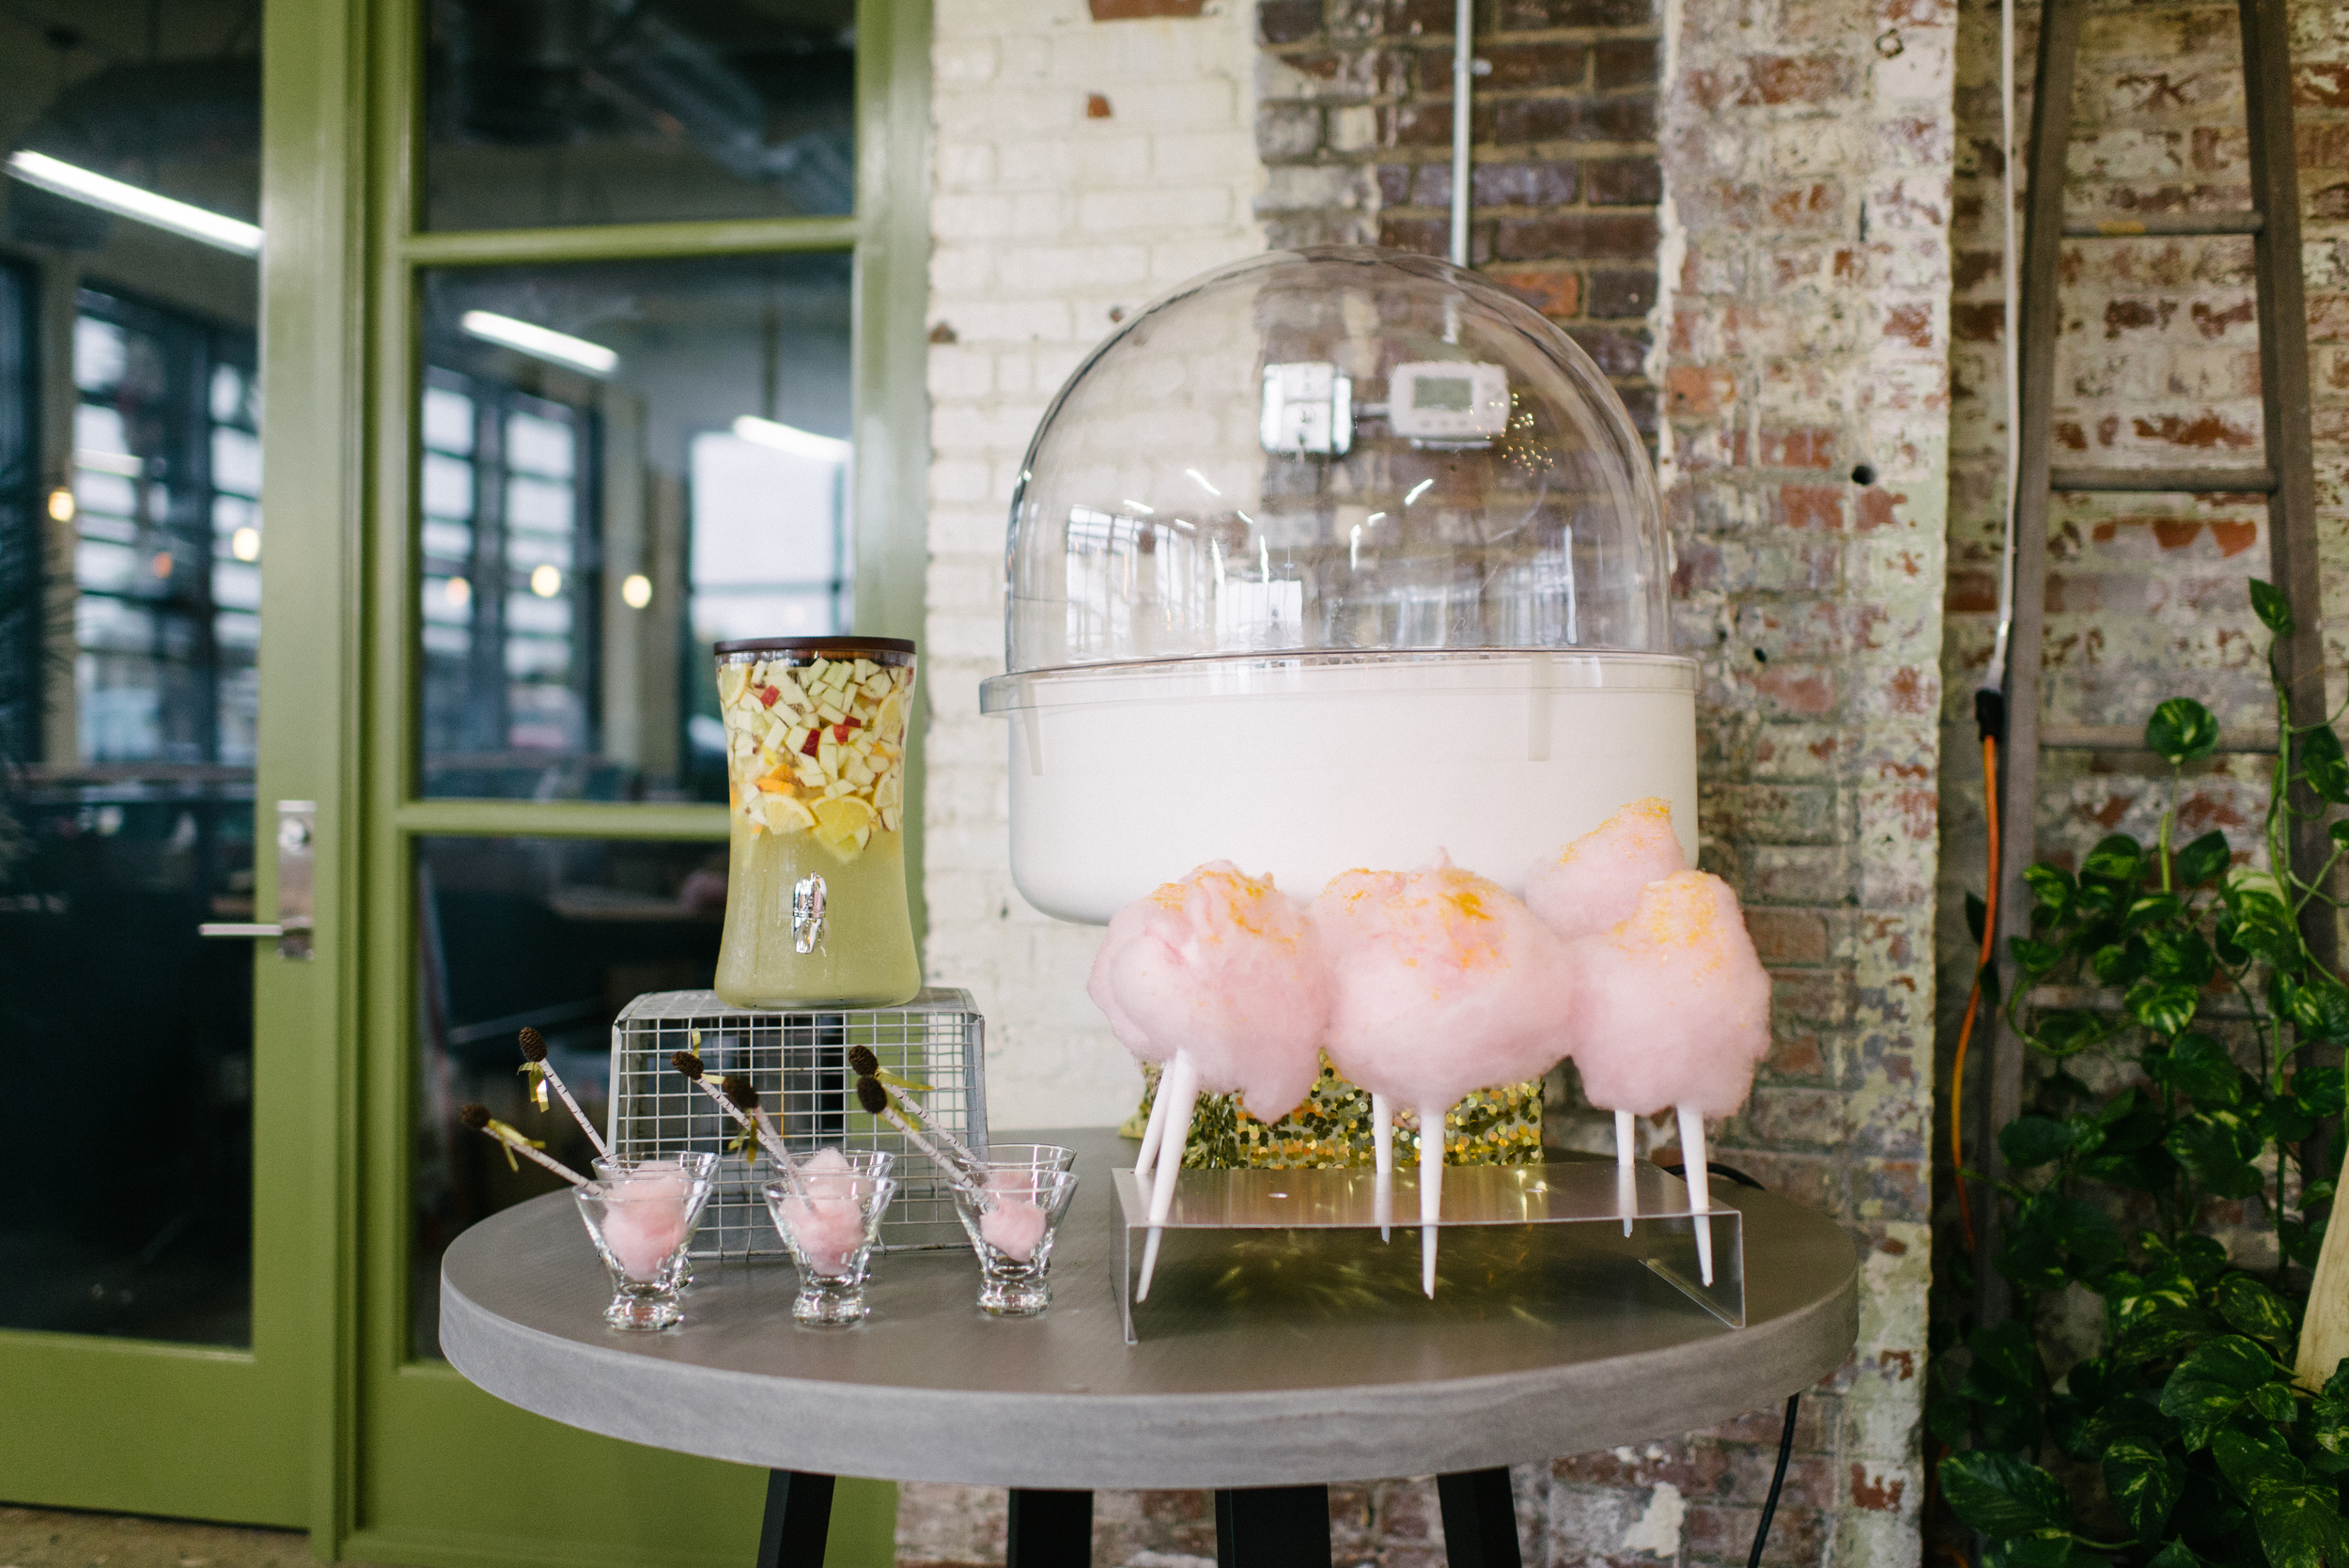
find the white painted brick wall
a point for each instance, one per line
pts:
(1043, 222)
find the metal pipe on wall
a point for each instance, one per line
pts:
(1463, 27)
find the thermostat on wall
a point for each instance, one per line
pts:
(1447, 400)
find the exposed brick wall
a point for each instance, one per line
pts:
(1355, 126)
(1806, 151)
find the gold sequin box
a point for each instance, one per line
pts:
(1492, 1127)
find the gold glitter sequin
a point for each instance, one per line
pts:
(1492, 1127)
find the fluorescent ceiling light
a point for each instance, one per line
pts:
(82, 185)
(541, 342)
(787, 438)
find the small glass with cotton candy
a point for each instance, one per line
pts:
(1011, 1218)
(828, 1213)
(641, 1214)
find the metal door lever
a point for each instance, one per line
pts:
(295, 821)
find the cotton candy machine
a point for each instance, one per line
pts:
(1331, 558)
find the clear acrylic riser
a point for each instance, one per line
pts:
(1300, 1244)
(798, 1061)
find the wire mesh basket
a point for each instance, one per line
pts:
(799, 1063)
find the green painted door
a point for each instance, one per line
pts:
(638, 367)
(167, 1321)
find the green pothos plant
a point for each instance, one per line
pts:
(2185, 1436)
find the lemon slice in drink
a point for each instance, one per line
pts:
(840, 818)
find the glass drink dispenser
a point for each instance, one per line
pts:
(815, 885)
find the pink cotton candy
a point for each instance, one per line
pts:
(1016, 1223)
(1593, 884)
(1671, 1007)
(1441, 984)
(643, 1220)
(1224, 969)
(826, 1225)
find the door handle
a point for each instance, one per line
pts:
(296, 824)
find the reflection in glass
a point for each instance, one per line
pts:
(168, 515)
(557, 934)
(543, 112)
(621, 464)
(130, 599)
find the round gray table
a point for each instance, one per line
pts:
(929, 1388)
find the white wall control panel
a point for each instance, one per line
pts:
(1308, 407)
(1447, 400)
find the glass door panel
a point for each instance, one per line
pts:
(543, 112)
(622, 464)
(136, 1322)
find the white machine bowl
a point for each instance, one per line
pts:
(1333, 558)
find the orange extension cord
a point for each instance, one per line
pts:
(1973, 998)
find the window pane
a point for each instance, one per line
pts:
(556, 934)
(548, 113)
(626, 462)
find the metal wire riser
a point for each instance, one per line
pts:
(799, 1063)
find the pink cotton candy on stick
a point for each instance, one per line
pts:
(1442, 984)
(1218, 976)
(1593, 883)
(1015, 1223)
(1671, 1007)
(828, 1221)
(643, 1220)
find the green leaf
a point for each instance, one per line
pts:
(2320, 1009)
(2036, 957)
(2030, 1140)
(2175, 1555)
(2302, 1243)
(2271, 1400)
(2117, 857)
(2152, 908)
(2328, 770)
(2178, 956)
(2001, 1494)
(2038, 1551)
(2198, 1067)
(2339, 833)
(2299, 1524)
(2165, 1007)
(2211, 1150)
(2144, 1483)
(2211, 1384)
(2250, 1308)
(2200, 861)
(2329, 1415)
(2181, 731)
(2119, 963)
(2050, 885)
(2271, 607)
(2069, 1032)
(2131, 1418)
(2319, 1091)
(2004, 1353)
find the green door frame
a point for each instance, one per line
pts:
(402, 1461)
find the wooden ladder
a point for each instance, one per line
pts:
(2286, 477)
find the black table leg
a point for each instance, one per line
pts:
(1272, 1527)
(799, 1517)
(1480, 1520)
(1049, 1530)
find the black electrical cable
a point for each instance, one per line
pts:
(1793, 1402)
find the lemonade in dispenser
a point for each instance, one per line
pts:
(815, 887)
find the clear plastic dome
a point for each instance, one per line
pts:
(1334, 449)
(1331, 558)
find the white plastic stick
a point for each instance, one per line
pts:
(1430, 1191)
(1626, 1138)
(963, 1157)
(946, 1167)
(1152, 1136)
(562, 1090)
(1382, 1159)
(1180, 1087)
(1700, 1189)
